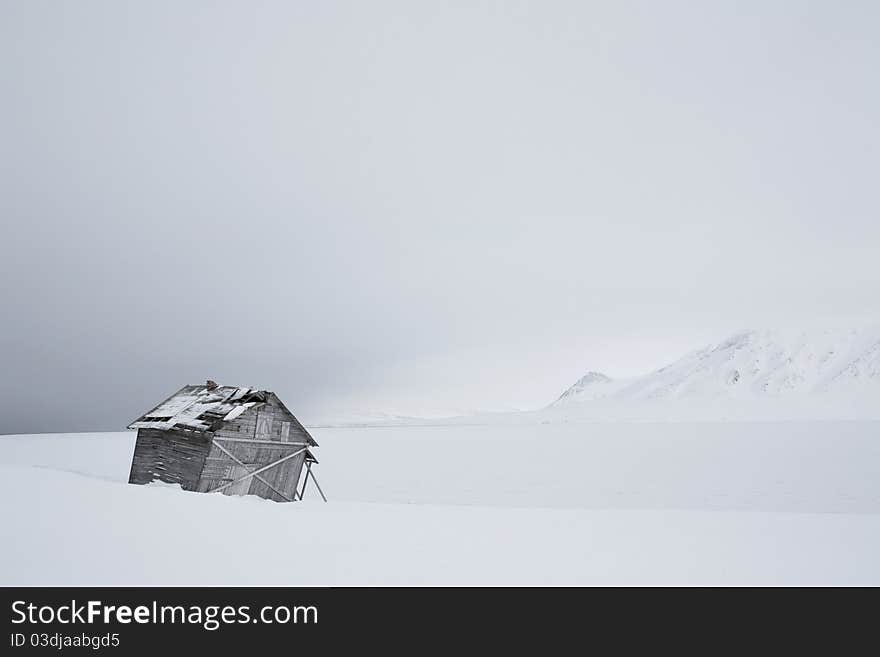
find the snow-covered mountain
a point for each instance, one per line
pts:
(593, 385)
(751, 365)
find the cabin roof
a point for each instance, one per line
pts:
(200, 408)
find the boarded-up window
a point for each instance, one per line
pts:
(264, 427)
(285, 431)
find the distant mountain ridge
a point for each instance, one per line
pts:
(749, 365)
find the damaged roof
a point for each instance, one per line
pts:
(202, 408)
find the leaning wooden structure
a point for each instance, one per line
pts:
(225, 439)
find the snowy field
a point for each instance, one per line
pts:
(566, 503)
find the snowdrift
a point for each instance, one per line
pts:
(622, 503)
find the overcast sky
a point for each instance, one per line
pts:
(419, 206)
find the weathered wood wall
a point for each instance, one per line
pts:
(175, 457)
(270, 423)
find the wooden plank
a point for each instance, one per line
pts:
(264, 425)
(170, 456)
(273, 443)
(256, 476)
(260, 470)
(287, 476)
(240, 483)
(216, 469)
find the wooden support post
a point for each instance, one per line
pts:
(317, 485)
(305, 480)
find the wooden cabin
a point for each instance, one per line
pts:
(224, 439)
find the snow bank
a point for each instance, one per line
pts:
(638, 503)
(73, 530)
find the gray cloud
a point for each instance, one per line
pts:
(418, 206)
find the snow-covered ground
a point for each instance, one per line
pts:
(502, 503)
